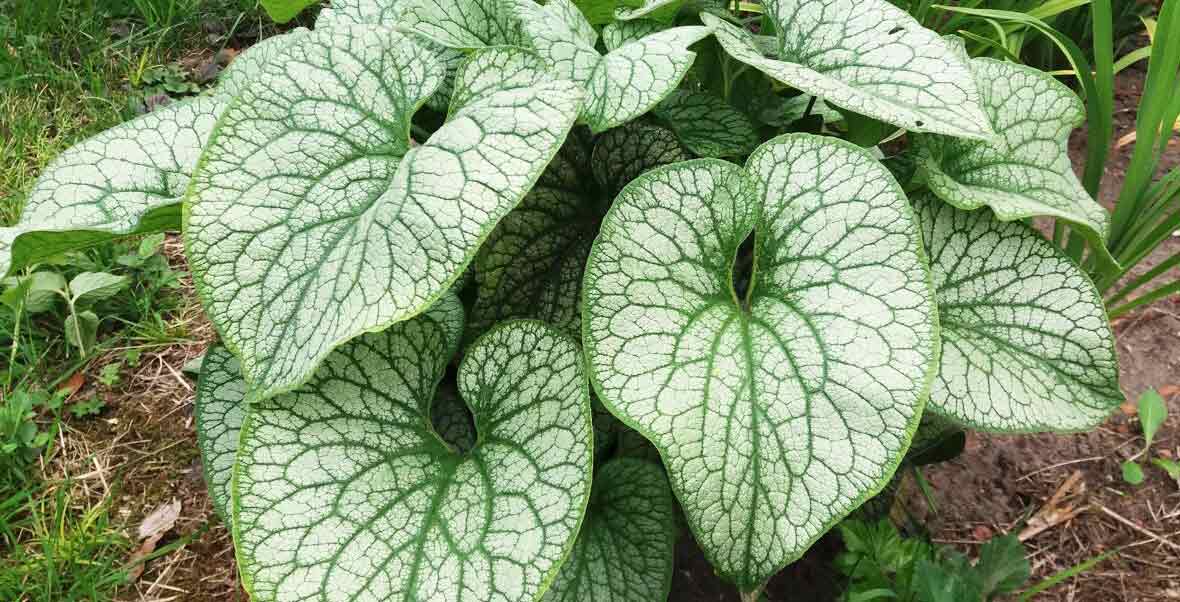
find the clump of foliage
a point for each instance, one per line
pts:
(499, 289)
(882, 565)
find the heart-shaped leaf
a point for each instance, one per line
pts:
(219, 408)
(342, 13)
(313, 220)
(1026, 172)
(462, 24)
(625, 548)
(780, 380)
(344, 492)
(866, 56)
(126, 180)
(618, 33)
(622, 84)
(531, 266)
(1026, 345)
(707, 125)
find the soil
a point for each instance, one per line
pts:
(143, 447)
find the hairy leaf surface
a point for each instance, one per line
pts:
(219, 408)
(622, 84)
(866, 56)
(313, 220)
(531, 266)
(707, 125)
(1027, 171)
(344, 492)
(625, 547)
(778, 408)
(1026, 345)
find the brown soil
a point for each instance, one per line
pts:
(144, 446)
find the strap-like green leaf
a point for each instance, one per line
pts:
(312, 220)
(531, 266)
(1027, 171)
(707, 125)
(866, 56)
(625, 548)
(781, 405)
(1026, 345)
(623, 84)
(345, 493)
(219, 408)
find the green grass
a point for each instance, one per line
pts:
(56, 547)
(68, 70)
(59, 551)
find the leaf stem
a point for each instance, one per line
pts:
(754, 594)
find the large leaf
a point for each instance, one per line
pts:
(866, 56)
(219, 408)
(463, 24)
(531, 266)
(1026, 345)
(358, 12)
(707, 125)
(345, 493)
(617, 33)
(1027, 171)
(625, 548)
(623, 84)
(128, 179)
(781, 405)
(313, 220)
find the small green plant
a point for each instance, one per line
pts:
(1152, 412)
(22, 436)
(498, 288)
(109, 374)
(88, 407)
(882, 565)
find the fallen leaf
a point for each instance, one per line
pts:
(1129, 408)
(151, 530)
(136, 560)
(160, 520)
(1055, 511)
(74, 383)
(1168, 390)
(982, 533)
(225, 56)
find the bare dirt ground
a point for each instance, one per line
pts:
(142, 450)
